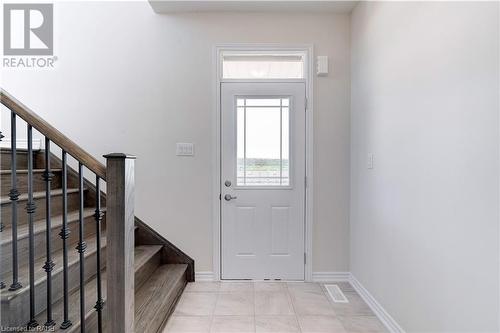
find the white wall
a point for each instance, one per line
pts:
(424, 221)
(130, 80)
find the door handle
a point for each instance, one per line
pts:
(229, 197)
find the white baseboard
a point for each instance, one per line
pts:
(204, 276)
(378, 309)
(21, 144)
(330, 276)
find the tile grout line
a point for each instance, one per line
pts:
(253, 289)
(254, 305)
(213, 309)
(293, 308)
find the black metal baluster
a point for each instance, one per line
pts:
(14, 196)
(98, 218)
(64, 236)
(49, 264)
(81, 249)
(30, 209)
(2, 284)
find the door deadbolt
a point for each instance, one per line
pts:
(227, 183)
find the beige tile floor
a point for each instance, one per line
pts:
(268, 307)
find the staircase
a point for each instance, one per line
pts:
(73, 258)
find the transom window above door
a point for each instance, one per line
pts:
(263, 141)
(254, 65)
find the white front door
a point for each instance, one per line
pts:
(263, 180)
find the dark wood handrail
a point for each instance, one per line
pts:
(53, 134)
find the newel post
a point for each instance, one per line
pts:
(120, 242)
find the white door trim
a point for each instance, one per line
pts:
(216, 141)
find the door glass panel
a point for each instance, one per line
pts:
(263, 147)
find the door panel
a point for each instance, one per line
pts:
(245, 231)
(262, 173)
(280, 220)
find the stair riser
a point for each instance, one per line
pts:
(56, 208)
(164, 306)
(145, 272)
(16, 312)
(91, 321)
(22, 160)
(22, 244)
(22, 182)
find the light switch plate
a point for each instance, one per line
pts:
(184, 149)
(370, 161)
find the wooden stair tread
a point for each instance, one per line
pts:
(159, 291)
(158, 285)
(40, 225)
(24, 171)
(40, 194)
(142, 254)
(57, 258)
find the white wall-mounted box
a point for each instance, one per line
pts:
(322, 65)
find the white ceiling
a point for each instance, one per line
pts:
(176, 6)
